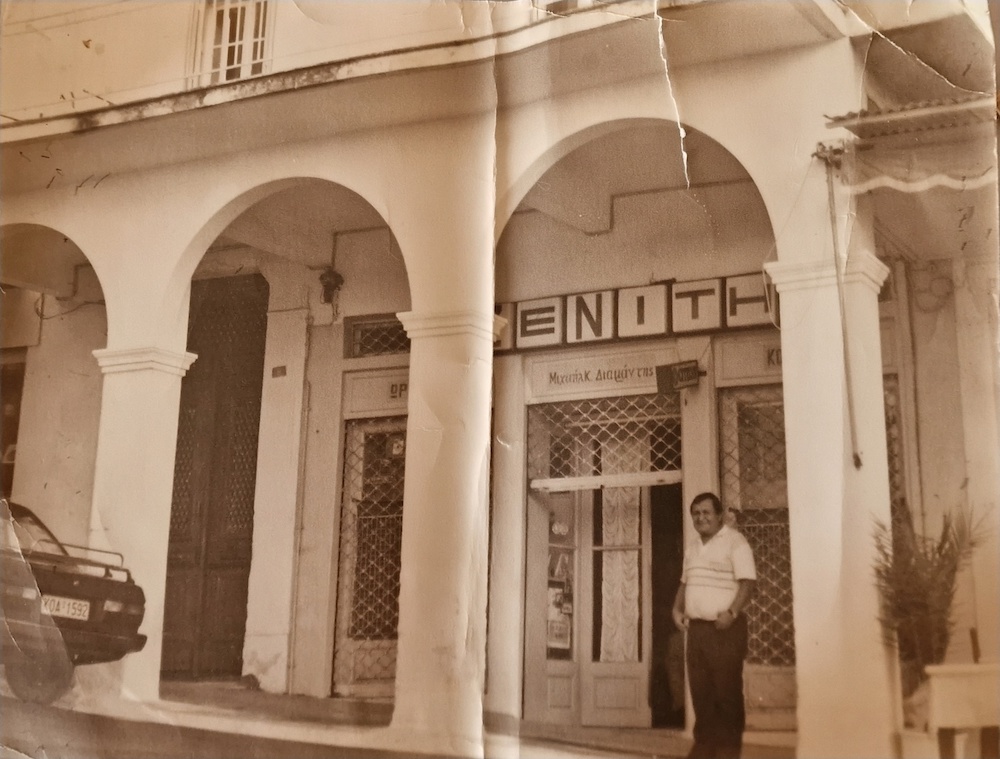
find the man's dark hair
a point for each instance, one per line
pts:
(712, 497)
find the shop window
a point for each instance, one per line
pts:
(561, 578)
(604, 437)
(753, 474)
(754, 480)
(375, 336)
(236, 33)
(617, 603)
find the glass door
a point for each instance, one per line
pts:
(615, 606)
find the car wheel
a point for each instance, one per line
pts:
(40, 679)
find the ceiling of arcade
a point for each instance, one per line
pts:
(634, 206)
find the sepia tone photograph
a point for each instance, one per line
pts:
(508, 379)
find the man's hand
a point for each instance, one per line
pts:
(680, 619)
(725, 620)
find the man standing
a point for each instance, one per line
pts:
(715, 588)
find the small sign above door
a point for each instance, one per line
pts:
(672, 377)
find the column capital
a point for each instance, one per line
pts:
(475, 323)
(115, 360)
(858, 268)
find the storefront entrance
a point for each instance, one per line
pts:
(604, 559)
(371, 533)
(605, 648)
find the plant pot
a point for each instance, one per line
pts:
(964, 695)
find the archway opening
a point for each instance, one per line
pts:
(641, 248)
(53, 318)
(284, 547)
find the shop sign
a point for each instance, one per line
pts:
(672, 377)
(376, 393)
(607, 374)
(666, 309)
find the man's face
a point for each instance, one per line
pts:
(706, 521)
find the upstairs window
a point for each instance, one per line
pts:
(236, 33)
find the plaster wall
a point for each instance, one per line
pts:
(60, 410)
(941, 443)
(653, 239)
(315, 588)
(86, 55)
(314, 31)
(764, 110)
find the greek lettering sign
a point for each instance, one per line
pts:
(607, 374)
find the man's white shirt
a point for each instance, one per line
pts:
(712, 572)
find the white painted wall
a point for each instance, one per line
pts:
(60, 409)
(539, 256)
(939, 411)
(76, 56)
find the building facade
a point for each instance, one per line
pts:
(343, 324)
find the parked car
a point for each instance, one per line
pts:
(62, 605)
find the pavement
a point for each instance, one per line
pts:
(228, 719)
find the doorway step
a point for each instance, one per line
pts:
(235, 695)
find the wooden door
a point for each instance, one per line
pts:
(211, 521)
(551, 671)
(587, 608)
(615, 619)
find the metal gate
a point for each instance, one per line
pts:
(371, 533)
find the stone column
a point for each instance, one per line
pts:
(442, 599)
(837, 488)
(133, 484)
(506, 594)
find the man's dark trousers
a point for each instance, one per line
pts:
(715, 673)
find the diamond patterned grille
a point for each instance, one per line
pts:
(894, 440)
(377, 338)
(752, 459)
(370, 543)
(181, 511)
(585, 438)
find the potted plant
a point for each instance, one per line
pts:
(916, 577)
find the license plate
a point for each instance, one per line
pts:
(68, 608)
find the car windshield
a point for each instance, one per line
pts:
(29, 533)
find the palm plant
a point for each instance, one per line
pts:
(916, 577)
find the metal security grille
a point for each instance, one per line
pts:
(752, 457)
(894, 440)
(604, 436)
(383, 337)
(370, 542)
